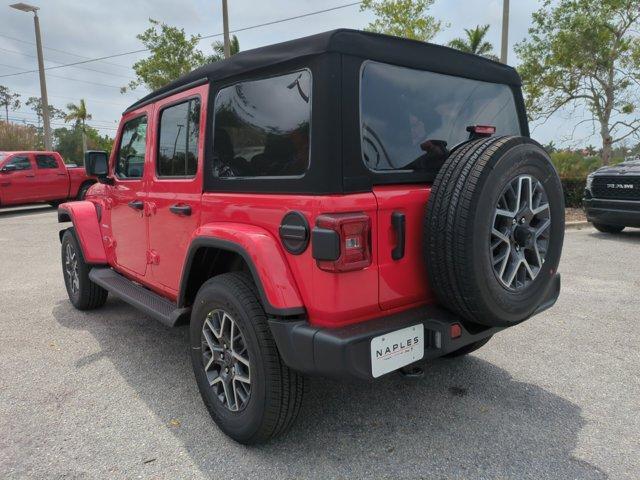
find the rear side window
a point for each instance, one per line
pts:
(407, 115)
(132, 149)
(46, 161)
(262, 127)
(178, 140)
(21, 163)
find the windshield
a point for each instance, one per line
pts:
(412, 118)
(2, 156)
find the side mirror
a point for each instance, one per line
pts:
(96, 163)
(9, 168)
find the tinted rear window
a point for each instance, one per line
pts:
(262, 127)
(407, 115)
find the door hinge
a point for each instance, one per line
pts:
(152, 257)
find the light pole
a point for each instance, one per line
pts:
(225, 24)
(43, 83)
(505, 32)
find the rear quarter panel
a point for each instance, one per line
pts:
(330, 299)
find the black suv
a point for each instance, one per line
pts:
(612, 197)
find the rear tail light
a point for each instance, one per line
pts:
(341, 242)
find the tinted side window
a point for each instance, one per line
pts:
(409, 116)
(46, 161)
(21, 163)
(178, 140)
(133, 146)
(262, 127)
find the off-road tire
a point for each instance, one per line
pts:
(276, 390)
(601, 227)
(459, 221)
(467, 349)
(87, 295)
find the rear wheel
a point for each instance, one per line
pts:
(601, 227)
(83, 293)
(249, 392)
(494, 230)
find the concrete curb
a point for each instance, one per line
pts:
(579, 225)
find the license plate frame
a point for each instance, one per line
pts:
(396, 349)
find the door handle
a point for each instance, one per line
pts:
(30, 176)
(398, 221)
(62, 174)
(179, 209)
(136, 204)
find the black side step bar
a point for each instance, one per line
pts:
(145, 300)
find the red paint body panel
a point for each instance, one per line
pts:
(331, 299)
(267, 256)
(85, 221)
(38, 184)
(402, 281)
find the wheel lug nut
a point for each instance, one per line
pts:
(514, 221)
(522, 220)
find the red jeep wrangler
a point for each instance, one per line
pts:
(346, 204)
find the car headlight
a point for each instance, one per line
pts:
(589, 181)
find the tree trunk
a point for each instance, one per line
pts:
(6, 112)
(84, 142)
(607, 148)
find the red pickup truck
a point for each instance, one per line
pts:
(32, 177)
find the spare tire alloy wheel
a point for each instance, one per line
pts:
(226, 360)
(494, 230)
(521, 232)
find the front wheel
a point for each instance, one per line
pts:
(249, 392)
(601, 227)
(83, 293)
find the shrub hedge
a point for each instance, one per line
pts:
(573, 189)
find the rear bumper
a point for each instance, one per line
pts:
(613, 212)
(345, 352)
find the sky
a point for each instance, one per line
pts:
(75, 30)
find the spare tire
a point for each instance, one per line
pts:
(494, 230)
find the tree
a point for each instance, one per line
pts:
(218, 49)
(14, 136)
(585, 53)
(68, 142)
(172, 55)
(8, 100)
(79, 115)
(403, 18)
(35, 103)
(475, 42)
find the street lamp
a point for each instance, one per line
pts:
(43, 84)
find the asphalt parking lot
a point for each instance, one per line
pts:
(110, 393)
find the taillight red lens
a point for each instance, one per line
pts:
(353, 230)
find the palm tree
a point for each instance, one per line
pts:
(475, 42)
(218, 49)
(78, 113)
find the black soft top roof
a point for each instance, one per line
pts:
(374, 46)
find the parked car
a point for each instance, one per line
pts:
(33, 177)
(612, 197)
(346, 204)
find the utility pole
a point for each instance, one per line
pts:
(225, 22)
(43, 83)
(505, 31)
